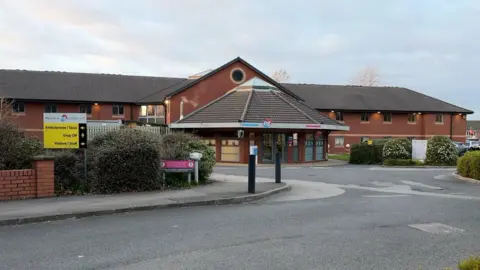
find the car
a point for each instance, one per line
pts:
(461, 148)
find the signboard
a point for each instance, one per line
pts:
(419, 149)
(267, 123)
(64, 130)
(177, 165)
(370, 142)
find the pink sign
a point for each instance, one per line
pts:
(312, 126)
(177, 164)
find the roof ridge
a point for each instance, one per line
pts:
(206, 105)
(247, 105)
(88, 73)
(295, 107)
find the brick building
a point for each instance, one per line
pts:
(370, 112)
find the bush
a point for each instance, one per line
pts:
(16, 151)
(469, 165)
(178, 146)
(366, 154)
(441, 151)
(472, 263)
(402, 162)
(125, 160)
(397, 149)
(70, 173)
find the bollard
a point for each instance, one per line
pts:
(278, 167)
(251, 174)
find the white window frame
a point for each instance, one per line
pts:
(338, 142)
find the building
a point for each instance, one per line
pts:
(370, 112)
(473, 130)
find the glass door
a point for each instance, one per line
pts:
(281, 146)
(267, 148)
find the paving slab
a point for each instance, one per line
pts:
(45, 209)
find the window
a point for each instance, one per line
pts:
(237, 75)
(339, 116)
(230, 150)
(117, 109)
(152, 114)
(412, 118)
(339, 140)
(86, 108)
(51, 108)
(18, 107)
(439, 118)
(387, 117)
(364, 117)
(364, 139)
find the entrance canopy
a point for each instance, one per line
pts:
(257, 104)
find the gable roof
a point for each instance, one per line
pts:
(67, 86)
(253, 102)
(161, 94)
(473, 124)
(370, 98)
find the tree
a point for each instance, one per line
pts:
(281, 76)
(368, 76)
(5, 108)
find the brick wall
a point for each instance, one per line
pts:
(31, 183)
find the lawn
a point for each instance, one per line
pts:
(344, 157)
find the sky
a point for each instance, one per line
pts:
(431, 46)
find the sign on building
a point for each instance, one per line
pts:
(419, 149)
(64, 130)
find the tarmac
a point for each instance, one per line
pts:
(57, 208)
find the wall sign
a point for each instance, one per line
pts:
(64, 130)
(267, 123)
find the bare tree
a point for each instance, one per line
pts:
(281, 75)
(5, 108)
(368, 76)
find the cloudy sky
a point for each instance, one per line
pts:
(432, 46)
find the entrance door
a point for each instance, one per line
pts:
(267, 148)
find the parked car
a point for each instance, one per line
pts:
(461, 148)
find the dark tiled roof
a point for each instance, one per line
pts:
(65, 86)
(474, 124)
(366, 98)
(254, 107)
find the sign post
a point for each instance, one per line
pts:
(179, 166)
(66, 131)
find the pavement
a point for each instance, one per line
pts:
(339, 217)
(327, 163)
(47, 209)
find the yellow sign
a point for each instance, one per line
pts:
(64, 130)
(370, 142)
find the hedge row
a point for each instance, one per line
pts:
(366, 154)
(469, 165)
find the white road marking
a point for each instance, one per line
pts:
(175, 226)
(420, 185)
(80, 256)
(382, 184)
(436, 228)
(386, 196)
(320, 168)
(291, 168)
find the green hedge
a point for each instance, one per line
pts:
(16, 150)
(402, 162)
(400, 148)
(441, 152)
(469, 165)
(366, 154)
(70, 173)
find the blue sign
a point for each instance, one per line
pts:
(249, 124)
(253, 150)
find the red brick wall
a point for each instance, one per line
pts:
(424, 128)
(23, 184)
(206, 91)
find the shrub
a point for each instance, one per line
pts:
(472, 263)
(469, 165)
(397, 149)
(178, 146)
(366, 154)
(401, 162)
(125, 160)
(70, 173)
(441, 151)
(16, 151)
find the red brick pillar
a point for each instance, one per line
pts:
(44, 171)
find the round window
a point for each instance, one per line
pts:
(238, 75)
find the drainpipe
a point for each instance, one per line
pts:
(451, 126)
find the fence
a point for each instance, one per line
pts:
(98, 130)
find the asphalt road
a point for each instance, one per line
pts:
(360, 228)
